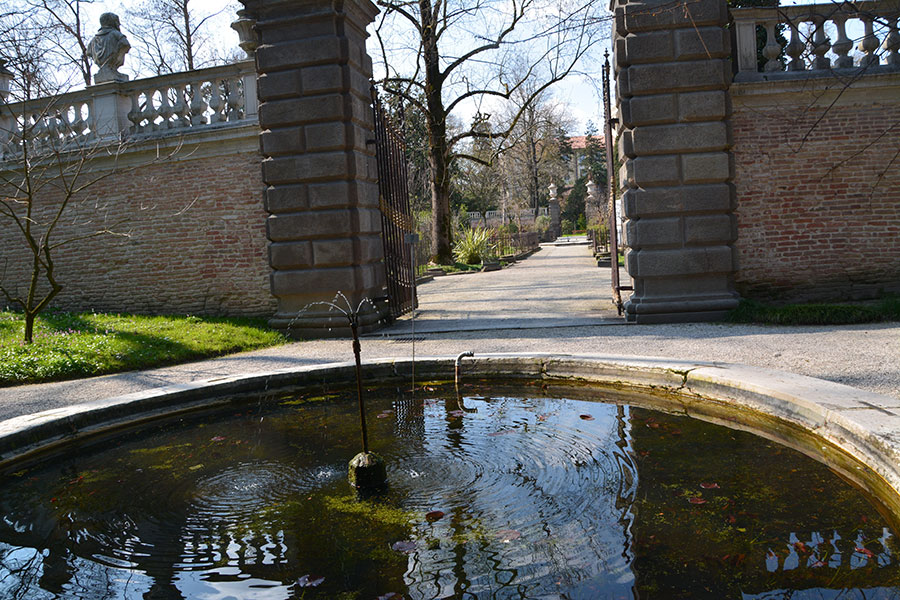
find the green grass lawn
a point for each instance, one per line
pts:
(751, 311)
(70, 345)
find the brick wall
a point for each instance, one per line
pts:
(818, 190)
(197, 240)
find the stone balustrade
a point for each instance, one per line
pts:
(157, 106)
(816, 40)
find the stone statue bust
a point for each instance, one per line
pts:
(108, 49)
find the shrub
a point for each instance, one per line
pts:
(566, 227)
(473, 246)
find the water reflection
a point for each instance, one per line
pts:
(516, 498)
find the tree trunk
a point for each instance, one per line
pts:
(438, 152)
(29, 326)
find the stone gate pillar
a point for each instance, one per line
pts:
(324, 223)
(672, 77)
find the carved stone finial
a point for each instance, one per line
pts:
(244, 27)
(108, 49)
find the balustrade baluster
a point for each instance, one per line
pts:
(772, 49)
(180, 108)
(235, 101)
(165, 109)
(150, 111)
(891, 44)
(868, 44)
(821, 45)
(795, 49)
(842, 46)
(216, 105)
(135, 115)
(198, 106)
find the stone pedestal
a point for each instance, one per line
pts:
(110, 109)
(673, 73)
(324, 223)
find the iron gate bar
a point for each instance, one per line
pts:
(611, 190)
(396, 214)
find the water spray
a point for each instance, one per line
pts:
(367, 469)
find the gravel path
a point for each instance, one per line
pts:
(555, 301)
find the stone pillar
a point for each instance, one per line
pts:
(553, 209)
(673, 73)
(324, 223)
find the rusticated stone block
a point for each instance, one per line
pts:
(702, 43)
(298, 53)
(706, 167)
(649, 171)
(323, 79)
(657, 46)
(671, 77)
(310, 282)
(662, 14)
(281, 141)
(681, 199)
(710, 229)
(687, 137)
(702, 106)
(279, 84)
(333, 253)
(332, 194)
(649, 110)
(306, 225)
(287, 198)
(682, 261)
(280, 113)
(290, 255)
(654, 232)
(305, 167)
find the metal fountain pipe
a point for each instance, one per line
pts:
(354, 328)
(459, 358)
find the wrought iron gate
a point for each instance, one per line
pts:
(397, 224)
(609, 122)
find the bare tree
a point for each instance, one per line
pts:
(459, 53)
(47, 167)
(533, 155)
(173, 35)
(64, 26)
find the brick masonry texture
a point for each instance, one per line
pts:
(197, 242)
(818, 219)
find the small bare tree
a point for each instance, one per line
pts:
(49, 162)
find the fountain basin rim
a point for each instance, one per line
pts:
(862, 424)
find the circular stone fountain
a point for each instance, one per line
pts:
(511, 497)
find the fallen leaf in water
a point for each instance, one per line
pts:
(696, 500)
(196, 467)
(217, 438)
(709, 486)
(434, 515)
(383, 415)
(405, 546)
(310, 581)
(586, 417)
(508, 535)
(865, 551)
(653, 425)
(456, 413)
